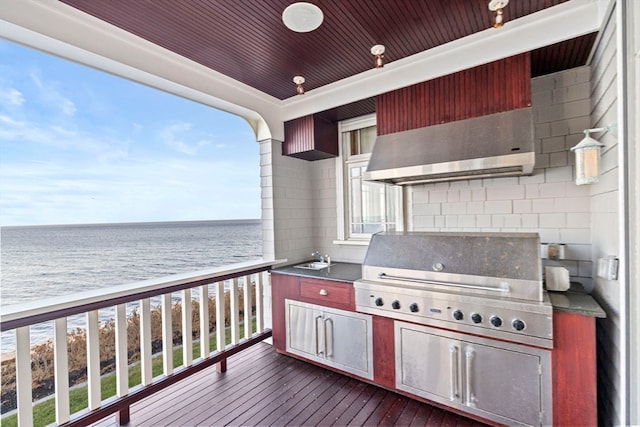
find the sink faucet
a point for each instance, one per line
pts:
(318, 255)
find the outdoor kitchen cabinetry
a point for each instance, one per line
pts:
(335, 338)
(316, 320)
(501, 383)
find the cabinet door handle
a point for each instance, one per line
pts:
(324, 292)
(328, 353)
(318, 352)
(453, 353)
(470, 398)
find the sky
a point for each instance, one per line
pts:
(79, 146)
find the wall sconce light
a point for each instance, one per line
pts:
(378, 52)
(298, 80)
(497, 6)
(588, 158)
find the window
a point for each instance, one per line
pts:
(365, 207)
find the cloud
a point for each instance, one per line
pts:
(11, 96)
(52, 96)
(174, 136)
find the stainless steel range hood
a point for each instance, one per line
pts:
(495, 145)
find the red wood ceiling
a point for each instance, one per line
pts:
(247, 41)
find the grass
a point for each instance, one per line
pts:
(44, 412)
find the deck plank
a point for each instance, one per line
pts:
(262, 387)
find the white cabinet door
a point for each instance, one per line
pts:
(336, 338)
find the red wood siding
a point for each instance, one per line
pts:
(491, 88)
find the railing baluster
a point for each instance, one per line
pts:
(93, 360)
(122, 360)
(259, 303)
(23, 376)
(187, 329)
(20, 318)
(167, 338)
(145, 342)
(61, 368)
(220, 309)
(234, 311)
(204, 321)
(247, 307)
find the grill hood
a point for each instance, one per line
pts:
(495, 145)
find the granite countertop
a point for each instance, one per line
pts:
(338, 271)
(577, 301)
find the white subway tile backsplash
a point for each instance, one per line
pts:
(542, 160)
(424, 221)
(427, 209)
(454, 208)
(559, 174)
(549, 234)
(536, 177)
(468, 221)
(522, 206)
(498, 206)
(453, 195)
(558, 159)
(530, 221)
(542, 130)
(573, 204)
(438, 196)
(553, 189)
(553, 144)
(585, 268)
(571, 93)
(479, 194)
(575, 235)
(513, 221)
(505, 192)
(553, 220)
(543, 206)
(475, 208)
(439, 221)
(559, 128)
(465, 195)
(483, 221)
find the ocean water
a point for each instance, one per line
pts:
(38, 262)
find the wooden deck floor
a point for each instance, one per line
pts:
(264, 388)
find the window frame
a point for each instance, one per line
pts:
(342, 179)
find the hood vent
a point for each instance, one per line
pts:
(495, 145)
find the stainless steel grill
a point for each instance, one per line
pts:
(486, 284)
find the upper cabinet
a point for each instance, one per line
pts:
(310, 138)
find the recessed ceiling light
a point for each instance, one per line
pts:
(302, 17)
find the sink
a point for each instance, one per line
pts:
(312, 265)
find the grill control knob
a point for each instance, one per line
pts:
(496, 321)
(379, 302)
(458, 315)
(476, 318)
(518, 324)
(413, 308)
(395, 305)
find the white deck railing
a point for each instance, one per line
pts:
(20, 317)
